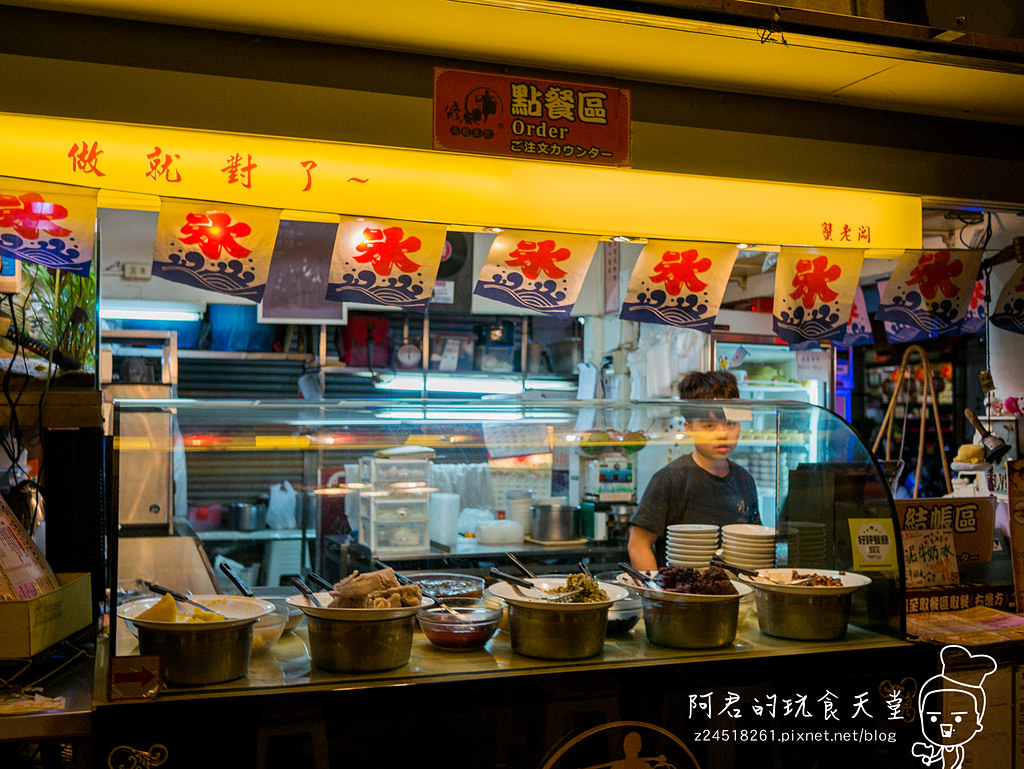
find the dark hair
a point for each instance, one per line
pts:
(700, 385)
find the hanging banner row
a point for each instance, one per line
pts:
(229, 249)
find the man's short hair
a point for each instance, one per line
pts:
(700, 385)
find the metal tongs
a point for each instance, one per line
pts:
(756, 575)
(518, 582)
(161, 590)
(304, 589)
(642, 579)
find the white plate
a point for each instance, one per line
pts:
(691, 549)
(667, 595)
(505, 592)
(706, 542)
(752, 565)
(689, 562)
(692, 528)
(238, 609)
(851, 581)
(750, 544)
(748, 530)
(353, 615)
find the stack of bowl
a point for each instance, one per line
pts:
(748, 546)
(691, 544)
(805, 544)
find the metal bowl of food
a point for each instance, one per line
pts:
(547, 629)
(358, 640)
(804, 604)
(446, 585)
(690, 620)
(193, 649)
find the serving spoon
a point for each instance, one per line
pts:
(304, 589)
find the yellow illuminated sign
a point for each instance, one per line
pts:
(134, 165)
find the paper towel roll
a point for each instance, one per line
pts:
(444, 518)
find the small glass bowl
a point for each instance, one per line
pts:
(470, 628)
(269, 629)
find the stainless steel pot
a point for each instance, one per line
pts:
(360, 646)
(248, 516)
(554, 523)
(802, 617)
(691, 624)
(199, 657)
(557, 635)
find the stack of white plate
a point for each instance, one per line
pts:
(805, 544)
(748, 546)
(691, 544)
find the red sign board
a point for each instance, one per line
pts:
(530, 118)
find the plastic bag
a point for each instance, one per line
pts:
(281, 508)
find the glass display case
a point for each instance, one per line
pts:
(440, 485)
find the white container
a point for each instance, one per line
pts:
(444, 518)
(500, 533)
(517, 507)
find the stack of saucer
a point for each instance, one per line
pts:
(691, 544)
(806, 544)
(748, 546)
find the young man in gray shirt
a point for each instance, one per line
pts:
(702, 487)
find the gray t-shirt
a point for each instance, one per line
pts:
(684, 492)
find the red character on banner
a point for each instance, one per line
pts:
(214, 233)
(934, 272)
(386, 248)
(812, 279)
(162, 166)
(535, 258)
(680, 269)
(239, 173)
(308, 165)
(86, 158)
(29, 215)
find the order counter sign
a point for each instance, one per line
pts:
(874, 541)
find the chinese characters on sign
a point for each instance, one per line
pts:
(48, 224)
(845, 234)
(530, 118)
(814, 293)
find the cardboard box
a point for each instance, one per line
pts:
(31, 626)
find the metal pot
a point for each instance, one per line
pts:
(199, 657)
(685, 624)
(554, 523)
(557, 635)
(360, 646)
(802, 617)
(248, 516)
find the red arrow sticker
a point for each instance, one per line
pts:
(133, 678)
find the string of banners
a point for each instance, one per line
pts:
(229, 248)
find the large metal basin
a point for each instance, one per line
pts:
(802, 617)
(558, 634)
(695, 624)
(379, 644)
(199, 657)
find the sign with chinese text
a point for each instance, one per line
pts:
(385, 262)
(134, 164)
(540, 271)
(1008, 311)
(814, 292)
(977, 313)
(679, 283)
(48, 224)
(874, 544)
(1015, 499)
(929, 558)
(971, 519)
(930, 291)
(226, 249)
(530, 118)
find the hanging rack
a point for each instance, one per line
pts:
(887, 422)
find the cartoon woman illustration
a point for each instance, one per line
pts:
(954, 702)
